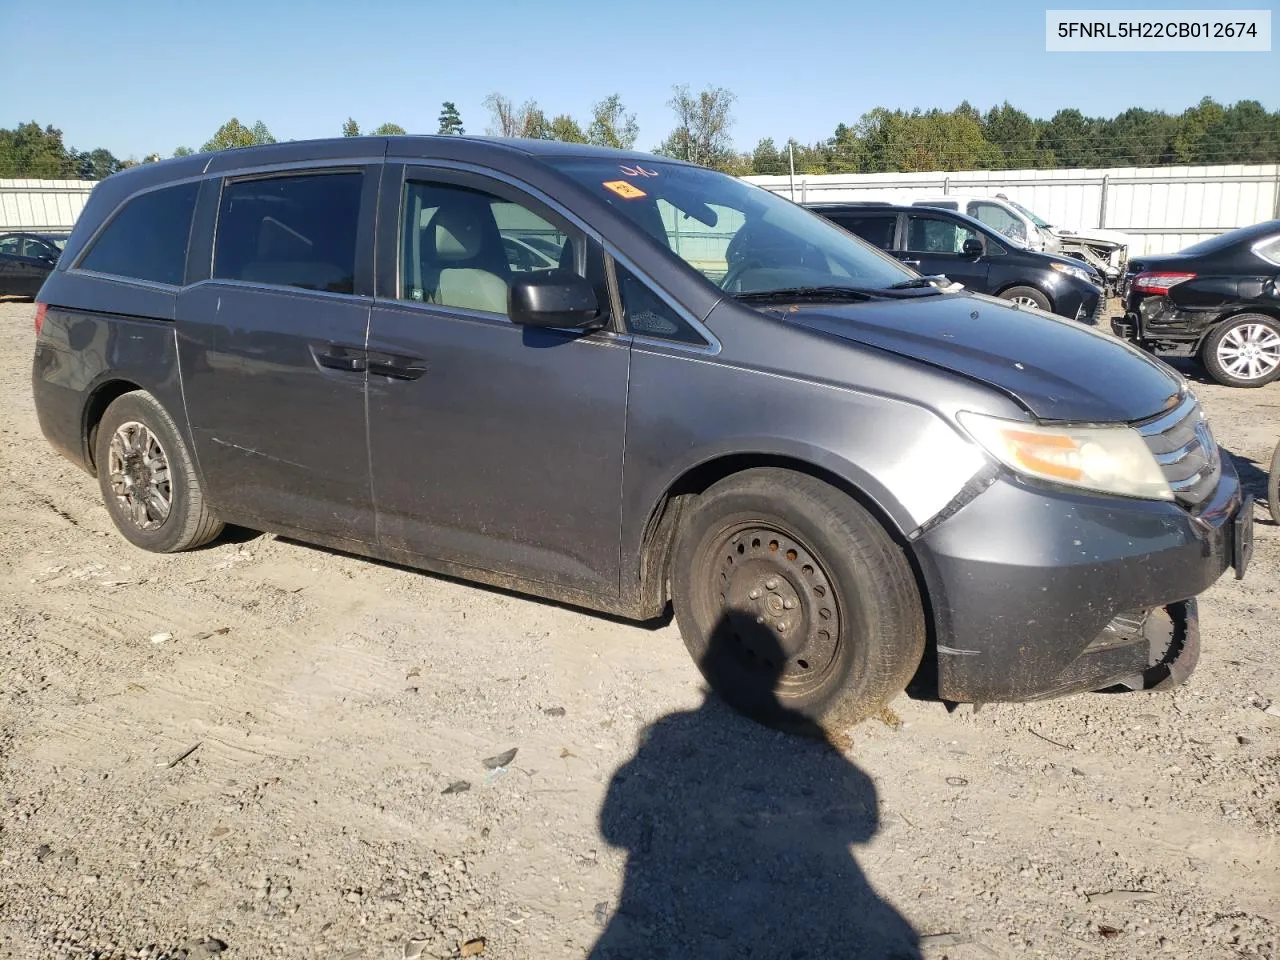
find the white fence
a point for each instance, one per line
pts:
(42, 206)
(1162, 208)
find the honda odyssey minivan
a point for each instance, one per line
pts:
(832, 467)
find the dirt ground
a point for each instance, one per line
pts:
(252, 747)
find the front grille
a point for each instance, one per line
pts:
(1184, 447)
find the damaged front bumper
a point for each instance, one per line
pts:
(1038, 593)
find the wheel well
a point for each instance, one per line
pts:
(101, 398)
(664, 520)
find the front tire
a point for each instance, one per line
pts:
(148, 478)
(795, 603)
(1244, 351)
(1027, 297)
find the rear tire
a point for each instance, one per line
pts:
(797, 606)
(1027, 296)
(148, 478)
(1243, 351)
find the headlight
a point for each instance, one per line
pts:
(1106, 459)
(1071, 271)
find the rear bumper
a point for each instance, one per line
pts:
(1037, 593)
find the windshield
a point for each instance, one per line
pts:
(742, 238)
(1028, 214)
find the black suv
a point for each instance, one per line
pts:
(701, 394)
(967, 251)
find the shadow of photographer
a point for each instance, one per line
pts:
(738, 836)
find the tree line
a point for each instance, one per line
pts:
(880, 141)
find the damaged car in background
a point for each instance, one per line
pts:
(1216, 301)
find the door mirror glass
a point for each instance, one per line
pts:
(972, 247)
(555, 298)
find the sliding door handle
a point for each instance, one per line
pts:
(397, 371)
(337, 357)
(396, 366)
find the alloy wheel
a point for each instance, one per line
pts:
(1250, 351)
(138, 469)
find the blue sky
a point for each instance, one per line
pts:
(145, 75)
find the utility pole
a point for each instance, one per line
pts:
(791, 160)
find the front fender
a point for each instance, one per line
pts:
(904, 458)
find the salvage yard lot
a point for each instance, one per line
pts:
(332, 701)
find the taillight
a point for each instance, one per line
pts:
(1158, 283)
(40, 309)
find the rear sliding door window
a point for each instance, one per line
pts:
(295, 231)
(147, 239)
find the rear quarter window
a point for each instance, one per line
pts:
(147, 238)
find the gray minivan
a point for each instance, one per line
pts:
(841, 474)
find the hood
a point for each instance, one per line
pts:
(1056, 368)
(1094, 235)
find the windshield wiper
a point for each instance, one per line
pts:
(785, 294)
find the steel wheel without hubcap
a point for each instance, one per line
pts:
(138, 469)
(766, 578)
(1250, 351)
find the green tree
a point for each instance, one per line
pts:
(767, 159)
(1245, 133)
(565, 129)
(611, 125)
(351, 128)
(702, 127)
(1137, 138)
(183, 152)
(94, 164)
(937, 140)
(233, 134)
(1072, 138)
(28, 151)
(1016, 136)
(390, 130)
(450, 120)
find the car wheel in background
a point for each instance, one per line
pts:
(1243, 351)
(1027, 297)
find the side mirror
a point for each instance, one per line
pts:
(558, 299)
(972, 247)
